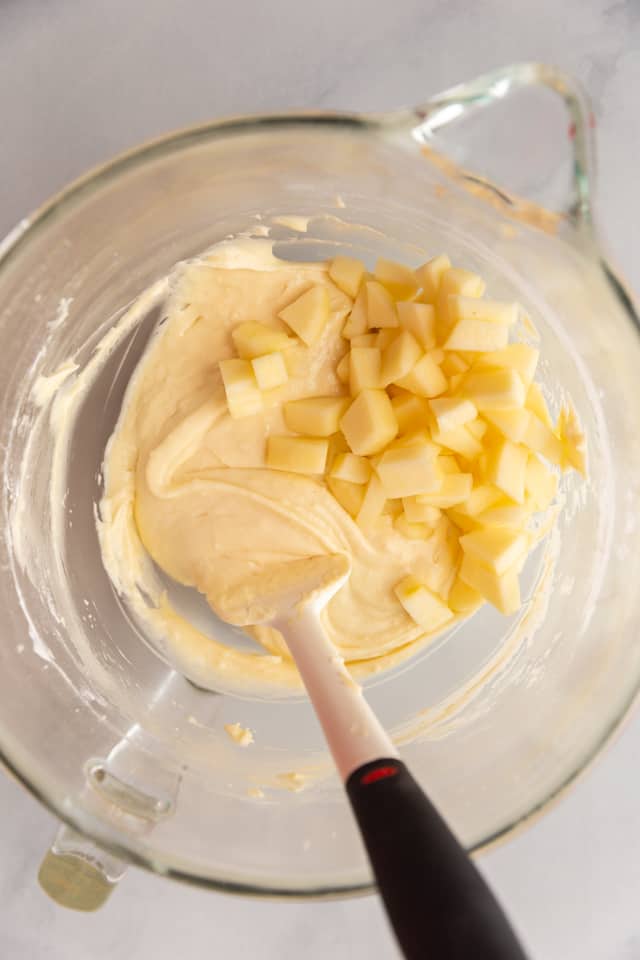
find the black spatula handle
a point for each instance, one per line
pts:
(438, 903)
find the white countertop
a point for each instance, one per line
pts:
(80, 81)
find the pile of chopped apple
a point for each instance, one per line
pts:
(440, 430)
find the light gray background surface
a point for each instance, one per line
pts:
(83, 79)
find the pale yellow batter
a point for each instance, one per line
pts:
(188, 484)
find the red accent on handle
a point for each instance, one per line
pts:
(378, 773)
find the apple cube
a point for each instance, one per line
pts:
(411, 470)
(423, 606)
(501, 591)
(540, 483)
(454, 281)
(343, 369)
(372, 503)
(308, 314)
(242, 392)
(315, 416)
(452, 412)
(399, 280)
(573, 440)
(385, 337)
(349, 495)
(381, 310)
(462, 598)
(420, 320)
(347, 274)
(417, 512)
(347, 466)
(512, 422)
(477, 335)
(541, 439)
(488, 311)
(369, 424)
(477, 428)
(498, 548)
(506, 468)
(426, 379)
(455, 489)
(537, 404)
(270, 371)
(448, 463)
(507, 515)
(297, 454)
(255, 340)
(494, 389)
(410, 411)
(356, 322)
(453, 363)
(412, 530)
(364, 369)
(458, 440)
(400, 357)
(482, 497)
(519, 356)
(429, 276)
(365, 340)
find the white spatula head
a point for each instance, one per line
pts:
(282, 590)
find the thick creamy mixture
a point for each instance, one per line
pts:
(188, 485)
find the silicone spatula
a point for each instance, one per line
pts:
(439, 905)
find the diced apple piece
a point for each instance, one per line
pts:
(452, 412)
(429, 276)
(425, 380)
(512, 422)
(315, 416)
(537, 404)
(347, 274)
(454, 382)
(462, 520)
(448, 463)
(400, 357)
(519, 356)
(417, 512)
(574, 444)
(255, 340)
(242, 392)
(407, 471)
(477, 428)
(498, 548)
(420, 320)
(412, 530)
(364, 369)
(347, 466)
(372, 504)
(399, 280)
(385, 337)
(349, 495)
(392, 508)
(501, 591)
(308, 314)
(458, 440)
(454, 281)
(411, 412)
(482, 497)
(507, 515)
(337, 445)
(356, 323)
(541, 484)
(453, 363)
(423, 606)
(477, 335)
(463, 598)
(296, 359)
(493, 389)
(270, 371)
(542, 440)
(369, 424)
(488, 311)
(381, 310)
(364, 340)
(343, 370)
(506, 468)
(455, 489)
(297, 454)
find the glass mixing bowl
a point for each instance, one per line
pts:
(495, 718)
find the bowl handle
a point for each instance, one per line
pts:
(465, 98)
(78, 874)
